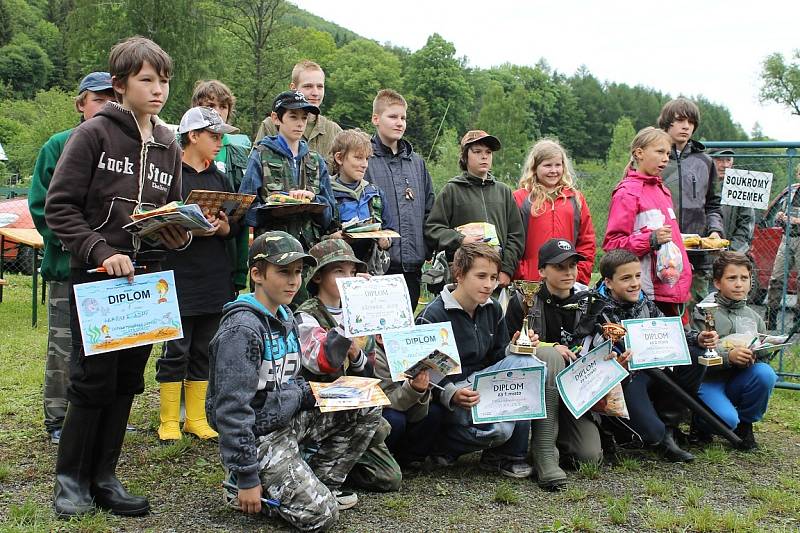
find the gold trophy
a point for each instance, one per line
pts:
(613, 332)
(711, 357)
(528, 289)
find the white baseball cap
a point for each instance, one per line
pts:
(204, 118)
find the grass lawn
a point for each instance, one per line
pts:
(724, 490)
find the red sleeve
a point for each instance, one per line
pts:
(586, 245)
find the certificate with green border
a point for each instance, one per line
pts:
(656, 342)
(587, 380)
(509, 395)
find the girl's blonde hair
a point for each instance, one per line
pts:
(643, 139)
(542, 150)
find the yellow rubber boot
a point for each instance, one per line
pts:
(170, 412)
(196, 422)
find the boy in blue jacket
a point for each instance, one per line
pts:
(264, 410)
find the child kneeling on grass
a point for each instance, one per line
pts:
(482, 338)
(738, 391)
(328, 354)
(621, 287)
(264, 411)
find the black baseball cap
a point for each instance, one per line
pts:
(557, 251)
(293, 100)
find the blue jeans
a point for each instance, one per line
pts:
(741, 398)
(412, 441)
(459, 436)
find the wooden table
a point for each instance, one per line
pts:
(27, 237)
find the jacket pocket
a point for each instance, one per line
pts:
(118, 210)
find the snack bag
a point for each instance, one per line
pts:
(669, 263)
(613, 404)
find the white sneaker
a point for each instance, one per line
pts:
(345, 499)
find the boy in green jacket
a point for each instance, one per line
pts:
(93, 92)
(475, 196)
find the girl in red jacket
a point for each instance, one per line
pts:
(552, 208)
(641, 219)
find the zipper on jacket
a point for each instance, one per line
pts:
(694, 187)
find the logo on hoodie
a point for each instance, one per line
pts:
(159, 179)
(119, 166)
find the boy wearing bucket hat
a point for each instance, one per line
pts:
(476, 196)
(204, 282)
(264, 410)
(328, 354)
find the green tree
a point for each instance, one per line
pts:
(5, 24)
(619, 152)
(445, 164)
(420, 130)
(504, 116)
(435, 73)
(24, 66)
(360, 69)
(780, 81)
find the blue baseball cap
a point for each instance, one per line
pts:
(95, 82)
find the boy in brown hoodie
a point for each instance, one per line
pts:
(120, 162)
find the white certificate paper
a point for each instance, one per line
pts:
(656, 342)
(375, 305)
(509, 395)
(586, 381)
(406, 347)
(114, 314)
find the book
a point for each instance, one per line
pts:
(235, 205)
(147, 223)
(438, 364)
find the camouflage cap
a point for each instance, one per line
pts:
(473, 136)
(278, 248)
(331, 251)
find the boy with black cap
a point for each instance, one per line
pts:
(562, 315)
(265, 411)
(93, 92)
(475, 196)
(328, 354)
(203, 280)
(283, 164)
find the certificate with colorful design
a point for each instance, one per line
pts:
(656, 342)
(509, 395)
(375, 305)
(587, 380)
(115, 314)
(407, 346)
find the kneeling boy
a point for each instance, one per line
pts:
(481, 336)
(264, 411)
(328, 354)
(739, 390)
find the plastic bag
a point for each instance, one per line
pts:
(613, 404)
(669, 263)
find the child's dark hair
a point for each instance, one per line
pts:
(679, 108)
(465, 257)
(127, 58)
(730, 258)
(462, 160)
(615, 259)
(205, 90)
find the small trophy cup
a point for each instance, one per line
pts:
(613, 332)
(711, 357)
(528, 289)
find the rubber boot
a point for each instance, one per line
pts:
(544, 433)
(671, 451)
(169, 429)
(74, 462)
(109, 494)
(196, 422)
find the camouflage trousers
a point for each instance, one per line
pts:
(304, 487)
(377, 470)
(59, 348)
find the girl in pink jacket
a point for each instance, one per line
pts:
(641, 219)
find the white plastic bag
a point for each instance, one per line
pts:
(669, 263)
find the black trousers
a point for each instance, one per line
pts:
(187, 358)
(413, 281)
(96, 380)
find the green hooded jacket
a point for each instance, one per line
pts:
(466, 199)
(55, 265)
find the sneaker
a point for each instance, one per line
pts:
(515, 468)
(130, 428)
(345, 498)
(55, 436)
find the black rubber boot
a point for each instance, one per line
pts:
(109, 494)
(671, 451)
(745, 432)
(74, 462)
